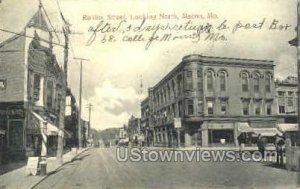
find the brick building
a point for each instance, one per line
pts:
(216, 99)
(30, 89)
(287, 107)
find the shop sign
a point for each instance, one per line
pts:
(32, 166)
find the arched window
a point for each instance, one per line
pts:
(210, 81)
(268, 83)
(245, 82)
(256, 82)
(222, 78)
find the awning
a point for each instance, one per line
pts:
(52, 130)
(2, 132)
(285, 127)
(243, 127)
(267, 131)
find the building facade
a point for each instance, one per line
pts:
(214, 100)
(30, 89)
(287, 100)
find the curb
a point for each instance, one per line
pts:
(60, 166)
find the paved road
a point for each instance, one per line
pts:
(98, 168)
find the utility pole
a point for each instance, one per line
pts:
(89, 106)
(80, 97)
(60, 141)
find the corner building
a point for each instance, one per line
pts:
(216, 100)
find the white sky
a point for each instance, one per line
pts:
(110, 79)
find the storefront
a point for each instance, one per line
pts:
(2, 143)
(12, 117)
(218, 134)
(290, 131)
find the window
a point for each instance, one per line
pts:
(290, 101)
(256, 83)
(210, 81)
(223, 106)
(199, 73)
(49, 93)
(190, 107)
(281, 93)
(200, 106)
(269, 108)
(281, 109)
(257, 107)
(222, 81)
(3, 84)
(245, 107)
(245, 87)
(290, 93)
(36, 87)
(189, 74)
(210, 107)
(268, 83)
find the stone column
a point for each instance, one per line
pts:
(44, 138)
(166, 137)
(154, 137)
(235, 133)
(188, 139)
(40, 102)
(178, 138)
(204, 134)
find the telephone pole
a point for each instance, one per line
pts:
(80, 97)
(90, 108)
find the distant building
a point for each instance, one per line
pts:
(134, 128)
(287, 100)
(214, 99)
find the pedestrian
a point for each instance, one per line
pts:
(279, 144)
(261, 144)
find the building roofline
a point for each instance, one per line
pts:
(12, 38)
(213, 59)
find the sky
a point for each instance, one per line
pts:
(112, 77)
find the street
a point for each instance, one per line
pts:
(99, 168)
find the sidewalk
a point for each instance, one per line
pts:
(17, 179)
(218, 148)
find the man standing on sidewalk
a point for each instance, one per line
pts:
(279, 144)
(261, 144)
